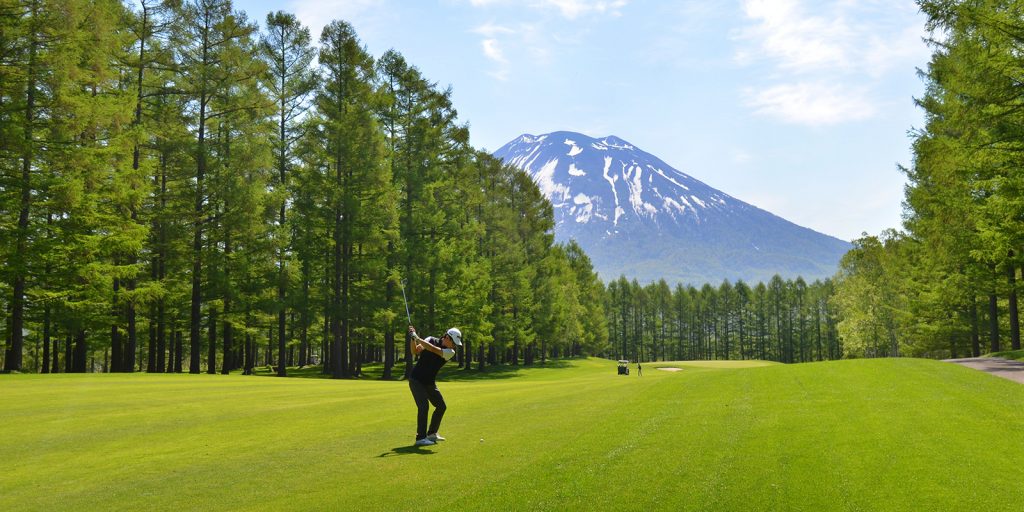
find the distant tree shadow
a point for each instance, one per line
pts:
(504, 371)
(406, 450)
(450, 373)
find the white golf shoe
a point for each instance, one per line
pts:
(434, 437)
(425, 442)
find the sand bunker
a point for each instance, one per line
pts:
(670, 369)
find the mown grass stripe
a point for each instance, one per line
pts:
(847, 435)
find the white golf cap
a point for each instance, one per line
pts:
(455, 335)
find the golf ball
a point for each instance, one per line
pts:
(481, 439)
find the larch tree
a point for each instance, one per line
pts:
(286, 48)
(207, 37)
(359, 200)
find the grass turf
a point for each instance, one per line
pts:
(1017, 355)
(897, 434)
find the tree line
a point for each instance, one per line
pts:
(946, 285)
(783, 320)
(182, 190)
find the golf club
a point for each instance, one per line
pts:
(406, 301)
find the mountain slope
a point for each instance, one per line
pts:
(637, 216)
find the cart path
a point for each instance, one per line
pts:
(1005, 368)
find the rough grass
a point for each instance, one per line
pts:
(1017, 355)
(851, 435)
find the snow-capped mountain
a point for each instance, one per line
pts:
(637, 216)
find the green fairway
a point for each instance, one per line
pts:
(897, 434)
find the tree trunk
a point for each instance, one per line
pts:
(993, 322)
(170, 348)
(975, 329)
(69, 357)
(515, 336)
(131, 348)
(160, 268)
(12, 361)
(228, 363)
(211, 355)
(196, 300)
(250, 358)
(115, 335)
(161, 337)
(282, 360)
(304, 317)
(281, 281)
(81, 352)
(326, 339)
(346, 305)
(389, 354)
(197, 238)
(136, 157)
(1011, 271)
(46, 339)
(178, 351)
(55, 366)
(389, 334)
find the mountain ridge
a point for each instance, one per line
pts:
(638, 216)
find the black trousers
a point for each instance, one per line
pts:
(424, 395)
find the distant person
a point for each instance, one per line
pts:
(639, 369)
(434, 353)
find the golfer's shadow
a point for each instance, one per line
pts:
(406, 450)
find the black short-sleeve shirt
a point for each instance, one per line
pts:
(430, 363)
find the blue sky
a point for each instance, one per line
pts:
(798, 107)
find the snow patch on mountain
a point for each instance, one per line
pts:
(574, 149)
(669, 178)
(672, 206)
(583, 209)
(611, 181)
(617, 143)
(525, 161)
(634, 179)
(557, 193)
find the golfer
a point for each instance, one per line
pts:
(434, 353)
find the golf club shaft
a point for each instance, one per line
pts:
(406, 301)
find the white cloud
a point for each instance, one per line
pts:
(793, 39)
(492, 48)
(569, 9)
(533, 42)
(492, 30)
(823, 62)
(505, 46)
(493, 52)
(813, 104)
(572, 9)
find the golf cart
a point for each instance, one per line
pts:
(623, 367)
